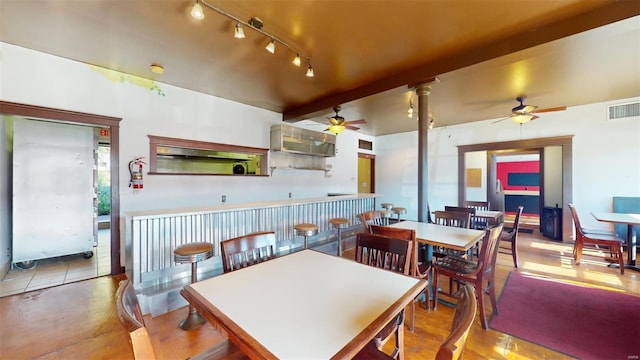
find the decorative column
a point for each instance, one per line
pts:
(423, 90)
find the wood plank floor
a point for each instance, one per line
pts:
(78, 320)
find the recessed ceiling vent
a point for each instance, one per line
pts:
(623, 111)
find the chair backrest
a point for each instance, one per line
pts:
(459, 219)
(489, 249)
(405, 234)
(478, 205)
(369, 218)
(247, 250)
(470, 210)
(465, 313)
(128, 310)
(385, 252)
(576, 221)
(516, 224)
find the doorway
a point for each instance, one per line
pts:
(111, 127)
(366, 173)
(559, 186)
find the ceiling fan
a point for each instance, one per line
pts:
(337, 124)
(524, 113)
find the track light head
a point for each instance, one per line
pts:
(310, 71)
(196, 11)
(296, 60)
(239, 32)
(271, 46)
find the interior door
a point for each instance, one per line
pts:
(365, 174)
(53, 190)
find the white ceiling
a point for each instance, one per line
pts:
(364, 53)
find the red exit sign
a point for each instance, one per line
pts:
(104, 132)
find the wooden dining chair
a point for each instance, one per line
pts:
(477, 223)
(419, 270)
(509, 240)
(247, 250)
(609, 243)
(394, 254)
(453, 346)
(130, 316)
(466, 307)
(369, 218)
(461, 219)
(480, 272)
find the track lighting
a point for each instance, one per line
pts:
(296, 60)
(255, 24)
(239, 32)
(196, 11)
(310, 71)
(271, 46)
(410, 112)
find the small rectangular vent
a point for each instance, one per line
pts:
(623, 111)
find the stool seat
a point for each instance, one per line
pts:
(387, 206)
(306, 229)
(386, 214)
(398, 211)
(193, 252)
(339, 223)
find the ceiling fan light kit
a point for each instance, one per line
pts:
(255, 24)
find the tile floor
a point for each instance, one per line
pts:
(60, 270)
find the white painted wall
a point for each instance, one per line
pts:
(36, 78)
(606, 157)
(476, 160)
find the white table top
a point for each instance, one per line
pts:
(620, 218)
(488, 214)
(306, 305)
(439, 235)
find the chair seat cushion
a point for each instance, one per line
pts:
(456, 264)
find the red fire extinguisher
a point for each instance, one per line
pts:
(135, 172)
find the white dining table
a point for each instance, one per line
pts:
(305, 305)
(440, 235)
(630, 220)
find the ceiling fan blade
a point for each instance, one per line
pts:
(353, 122)
(504, 118)
(351, 127)
(559, 108)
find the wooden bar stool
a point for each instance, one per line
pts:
(339, 224)
(387, 206)
(306, 230)
(399, 211)
(386, 214)
(193, 253)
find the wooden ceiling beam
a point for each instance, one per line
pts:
(607, 14)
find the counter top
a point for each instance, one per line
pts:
(245, 206)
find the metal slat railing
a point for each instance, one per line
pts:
(151, 239)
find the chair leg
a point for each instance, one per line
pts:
(436, 275)
(620, 259)
(514, 254)
(483, 316)
(577, 252)
(491, 291)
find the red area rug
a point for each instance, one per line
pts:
(583, 322)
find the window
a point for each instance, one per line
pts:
(191, 157)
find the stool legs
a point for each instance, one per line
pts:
(194, 320)
(339, 241)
